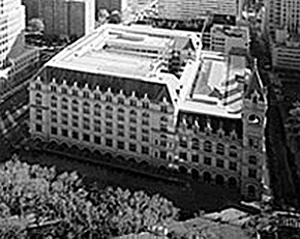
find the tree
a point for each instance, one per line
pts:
(36, 25)
(37, 200)
(102, 15)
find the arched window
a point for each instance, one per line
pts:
(207, 146)
(220, 149)
(64, 100)
(53, 98)
(132, 112)
(252, 160)
(233, 151)
(163, 136)
(195, 144)
(254, 119)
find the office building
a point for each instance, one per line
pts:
(112, 5)
(15, 57)
(197, 9)
(63, 18)
(153, 96)
(230, 39)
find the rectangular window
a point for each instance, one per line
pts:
(109, 142)
(97, 139)
(38, 86)
(145, 150)
(163, 154)
(109, 124)
(39, 114)
(145, 131)
(232, 166)
(64, 90)
(132, 102)
(183, 143)
(75, 135)
(145, 105)
(120, 145)
(108, 116)
(108, 131)
(132, 120)
(195, 158)
(121, 101)
(183, 155)
(132, 147)
(164, 109)
(145, 122)
(75, 92)
(220, 163)
(120, 126)
(97, 128)
(145, 138)
(86, 95)
(86, 137)
(132, 136)
(108, 98)
(54, 130)
(97, 96)
(53, 88)
(132, 129)
(163, 143)
(252, 173)
(121, 134)
(120, 118)
(207, 160)
(65, 132)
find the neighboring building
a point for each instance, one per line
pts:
(64, 18)
(283, 13)
(230, 39)
(15, 57)
(32, 9)
(148, 94)
(282, 25)
(112, 5)
(197, 9)
(286, 50)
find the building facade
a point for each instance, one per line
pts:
(197, 9)
(112, 5)
(15, 56)
(153, 96)
(64, 18)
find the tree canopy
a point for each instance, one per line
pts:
(37, 200)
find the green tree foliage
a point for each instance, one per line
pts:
(34, 196)
(36, 25)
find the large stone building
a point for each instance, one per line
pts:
(15, 56)
(152, 95)
(197, 9)
(63, 17)
(112, 5)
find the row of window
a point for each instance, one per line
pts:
(97, 96)
(208, 147)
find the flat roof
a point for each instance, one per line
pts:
(120, 50)
(215, 89)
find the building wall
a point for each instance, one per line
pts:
(67, 17)
(193, 9)
(147, 134)
(286, 57)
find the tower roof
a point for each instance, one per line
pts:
(255, 85)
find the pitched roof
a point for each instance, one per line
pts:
(255, 84)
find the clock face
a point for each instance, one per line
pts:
(254, 119)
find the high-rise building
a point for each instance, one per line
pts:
(196, 9)
(15, 57)
(112, 5)
(153, 96)
(283, 26)
(283, 13)
(64, 17)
